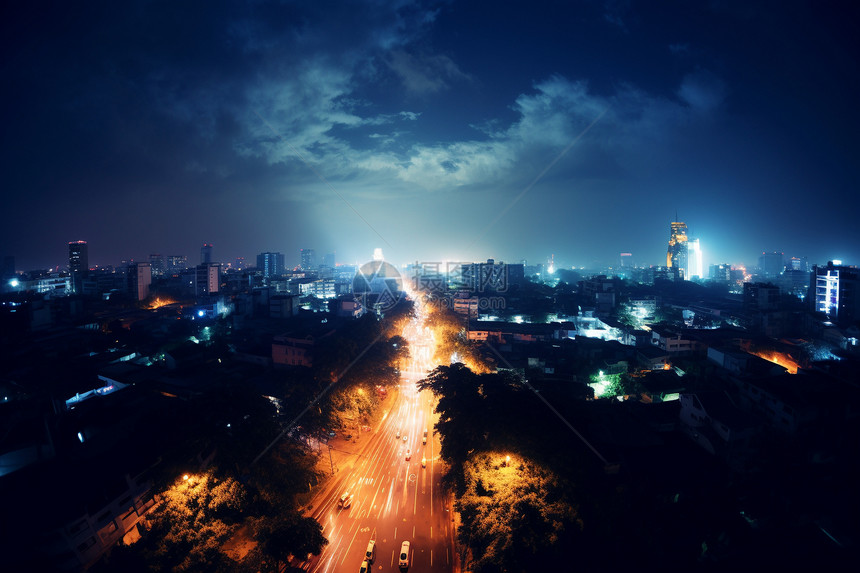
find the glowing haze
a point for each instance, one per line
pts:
(432, 130)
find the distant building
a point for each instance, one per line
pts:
(308, 259)
(491, 276)
(176, 264)
(270, 264)
(158, 265)
(78, 264)
(837, 291)
(322, 288)
(760, 297)
(694, 260)
(771, 265)
(721, 273)
(329, 260)
(139, 278)
(626, 260)
(208, 279)
(206, 253)
(798, 264)
(676, 256)
(239, 265)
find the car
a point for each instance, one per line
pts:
(423, 462)
(424, 441)
(403, 563)
(404, 437)
(398, 435)
(408, 454)
(365, 567)
(370, 554)
(345, 500)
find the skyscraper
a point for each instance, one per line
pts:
(139, 278)
(329, 260)
(270, 264)
(208, 279)
(309, 259)
(78, 257)
(78, 264)
(176, 264)
(157, 263)
(771, 265)
(694, 260)
(836, 291)
(676, 256)
(206, 253)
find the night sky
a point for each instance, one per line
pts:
(434, 130)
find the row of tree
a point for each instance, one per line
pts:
(242, 515)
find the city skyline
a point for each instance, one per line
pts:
(576, 130)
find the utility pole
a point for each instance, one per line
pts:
(330, 460)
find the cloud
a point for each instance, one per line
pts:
(424, 74)
(702, 91)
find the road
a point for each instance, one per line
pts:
(395, 499)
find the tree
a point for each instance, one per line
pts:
(290, 534)
(515, 513)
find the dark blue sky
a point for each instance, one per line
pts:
(436, 131)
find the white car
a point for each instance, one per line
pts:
(345, 500)
(370, 554)
(404, 555)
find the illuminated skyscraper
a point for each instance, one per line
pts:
(157, 263)
(78, 257)
(176, 264)
(676, 256)
(206, 253)
(837, 291)
(694, 260)
(271, 264)
(78, 263)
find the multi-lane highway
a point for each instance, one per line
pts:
(395, 497)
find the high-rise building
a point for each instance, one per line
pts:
(694, 260)
(206, 253)
(139, 277)
(309, 259)
(626, 260)
(208, 279)
(240, 263)
(158, 266)
(771, 265)
(676, 256)
(176, 264)
(798, 264)
(721, 273)
(329, 260)
(270, 264)
(78, 257)
(78, 264)
(837, 291)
